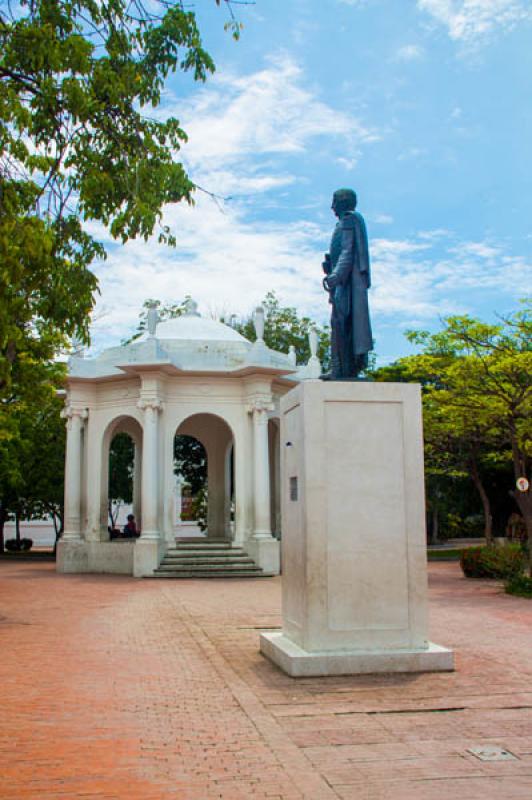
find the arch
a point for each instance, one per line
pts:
(217, 437)
(196, 420)
(132, 427)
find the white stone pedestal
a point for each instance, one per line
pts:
(353, 546)
(266, 553)
(71, 557)
(146, 557)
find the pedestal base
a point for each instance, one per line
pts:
(299, 663)
(115, 558)
(146, 557)
(71, 556)
(266, 553)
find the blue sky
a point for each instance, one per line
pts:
(423, 106)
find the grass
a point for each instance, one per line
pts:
(444, 555)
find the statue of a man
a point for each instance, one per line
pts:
(347, 279)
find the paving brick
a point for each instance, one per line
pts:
(116, 688)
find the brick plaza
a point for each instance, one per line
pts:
(143, 689)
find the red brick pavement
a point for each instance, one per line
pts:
(118, 688)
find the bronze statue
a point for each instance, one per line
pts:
(347, 279)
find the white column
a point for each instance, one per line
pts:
(75, 418)
(261, 470)
(228, 531)
(150, 460)
(137, 483)
(243, 483)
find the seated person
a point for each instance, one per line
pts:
(130, 528)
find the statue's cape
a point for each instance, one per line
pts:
(355, 221)
(360, 282)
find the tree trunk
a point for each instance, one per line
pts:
(524, 503)
(58, 528)
(17, 528)
(523, 499)
(3, 517)
(488, 519)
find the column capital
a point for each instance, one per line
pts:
(150, 402)
(260, 403)
(70, 411)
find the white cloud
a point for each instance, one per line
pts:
(410, 52)
(433, 235)
(228, 264)
(412, 153)
(240, 130)
(476, 249)
(468, 21)
(347, 163)
(268, 113)
(413, 282)
(223, 261)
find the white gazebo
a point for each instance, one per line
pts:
(187, 376)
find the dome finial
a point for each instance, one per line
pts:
(152, 318)
(258, 321)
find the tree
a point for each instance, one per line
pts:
(190, 460)
(32, 449)
(452, 453)
(284, 328)
(44, 465)
(477, 400)
(77, 146)
(492, 380)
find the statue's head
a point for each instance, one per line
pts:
(344, 200)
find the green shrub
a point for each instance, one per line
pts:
(520, 585)
(504, 561)
(12, 546)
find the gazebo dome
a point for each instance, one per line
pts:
(191, 344)
(193, 328)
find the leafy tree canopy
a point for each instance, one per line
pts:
(77, 80)
(284, 327)
(477, 391)
(32, 452)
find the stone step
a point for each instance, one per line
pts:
(200, 539)
(202, 559)
(205, 554)
(208, 560)
(256, 573)
(204, 545)
(214, 567)
(208, 564)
